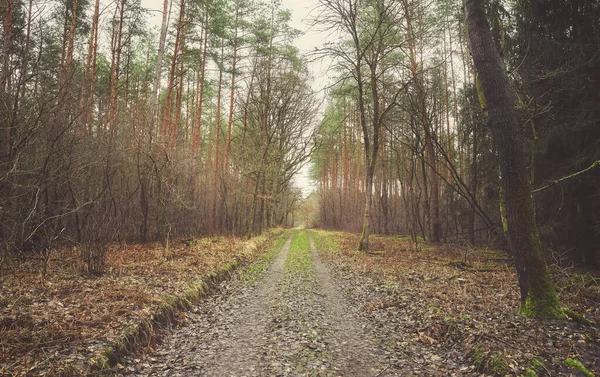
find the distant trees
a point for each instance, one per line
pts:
(409, 75)
(414, 161)
(370, 28)
(110, 132)
(553, 53)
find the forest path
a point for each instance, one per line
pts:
(294, 321)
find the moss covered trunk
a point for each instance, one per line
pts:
(538, 295)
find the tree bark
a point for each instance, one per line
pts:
(84, 107)
(538, 295)
(179, 97)
(161, 53)
(167, 131)
(196, 132)
(115, 69)
(232, 91)
(217, 165)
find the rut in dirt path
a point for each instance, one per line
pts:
(239, 344)
(294, 321)
(354, 348)
(223, 336)
(314, 331)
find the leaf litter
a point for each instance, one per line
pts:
(443, 311)
(58, 323)
(429, 311)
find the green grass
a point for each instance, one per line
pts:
(324, 241)
(299, 260)
(255, 269)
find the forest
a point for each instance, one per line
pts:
(147, 154)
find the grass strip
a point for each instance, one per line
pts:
(264, 260)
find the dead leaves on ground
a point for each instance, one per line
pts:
(58, 322)
(468, 299)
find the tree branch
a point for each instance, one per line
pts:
(560, 180)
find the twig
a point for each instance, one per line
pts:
(500, 340)
(383, 370)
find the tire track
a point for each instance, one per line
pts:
(225, 335)
(354, 350)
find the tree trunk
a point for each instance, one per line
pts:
(115, 66)
(161, 53)
(217, 164)
(179, 97)
(68, 62)
(166, 129)
(232, 91)
(538, 295)
(196, 132)
(83, 101)
(473, 176)
(371, 155)
(363, 243)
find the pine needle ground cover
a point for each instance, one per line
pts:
(465, 303)
(70, 323)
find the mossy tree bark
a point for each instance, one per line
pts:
(538, 295)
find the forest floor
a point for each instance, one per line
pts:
(450, 311)
(68, 323)
(310, 306)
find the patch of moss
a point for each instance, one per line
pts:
(455, 327)
(478, 358)
(545, 306)
(485, 362)
(536, 364)
(497, 366)
(529, 373)
(574, 364)
(453, 320)
(434, 307)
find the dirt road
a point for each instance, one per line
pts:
(297, 319)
